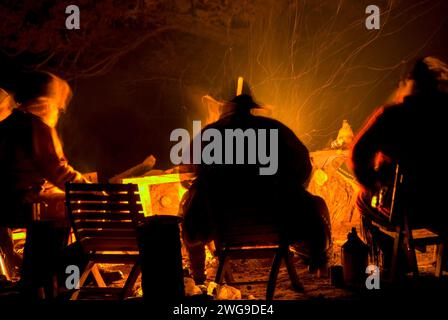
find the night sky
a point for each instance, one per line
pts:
(139, 69)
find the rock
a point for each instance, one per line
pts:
(228, 293)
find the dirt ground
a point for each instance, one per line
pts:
(332, 182)
(314, 287)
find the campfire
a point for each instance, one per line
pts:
(161, 194)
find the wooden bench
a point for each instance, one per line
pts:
(249, 239)
(103, 218)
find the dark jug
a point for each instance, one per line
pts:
(355, 255)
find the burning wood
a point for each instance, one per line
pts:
(161, 194)
(139, 170)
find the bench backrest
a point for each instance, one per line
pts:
(103, 216)
(247, 230)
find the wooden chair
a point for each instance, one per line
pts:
(249, 240)
(408, 237)
(103, 218)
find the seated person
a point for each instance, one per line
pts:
(33, 169)
(408, 132)
(222, 193)
(6, 243)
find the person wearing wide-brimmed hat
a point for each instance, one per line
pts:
(222, 193)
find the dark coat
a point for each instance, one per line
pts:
(32, 162)
(225, 193)
(412, 134)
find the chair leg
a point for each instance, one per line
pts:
(295, 281)
(441, 260)
(222, 264)
(83, 280)
(131, 280)
(398, 241)
(410, 248)
(273, 276)
(98, 277)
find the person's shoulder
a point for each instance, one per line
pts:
(215, 125)
(435, 98)
(21, 114)
(285, 133)
(266, 119)
(36, 122)
(270, 122)
(18, 115)
(19, 121)
(255, 121)
(390, 110)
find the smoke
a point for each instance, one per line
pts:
(316, 64)
(312, 62)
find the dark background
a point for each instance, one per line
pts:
(138, 69)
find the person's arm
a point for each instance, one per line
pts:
(50, 159)
(365, 148)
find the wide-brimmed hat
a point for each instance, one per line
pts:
(244, 99)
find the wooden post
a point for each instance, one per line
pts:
(161, 259)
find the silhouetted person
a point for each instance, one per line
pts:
(410, 132)
(33, 169)
(222, 192)
(6, 242)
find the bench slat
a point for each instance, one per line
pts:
(113, 197)
(124, 224)
(91, 233)
(101, 187)
(109, 244)
(95, 215)
(99, 206)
